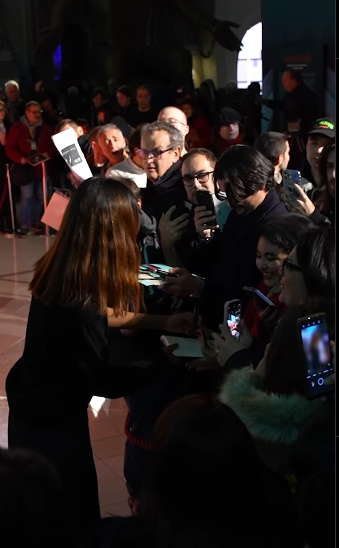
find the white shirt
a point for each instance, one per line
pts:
(128, 170)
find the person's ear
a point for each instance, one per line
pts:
(280, 160)
(186, 130)
(177, 153)
(139, 203)
(80, 131)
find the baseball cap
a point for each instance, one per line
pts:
(228, 116)
(324, 126)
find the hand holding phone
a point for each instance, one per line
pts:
(232, 315)
(291, 176)
(316, 350)
(205, 198)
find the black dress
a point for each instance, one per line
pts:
(65, 363)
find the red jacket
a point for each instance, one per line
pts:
(251, 315)
(18, 143)
(221, 145)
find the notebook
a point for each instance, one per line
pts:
(187, 348)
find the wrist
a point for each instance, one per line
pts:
(197, 288)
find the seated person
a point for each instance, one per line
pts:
(229, 131)
(322, 132)
(113, 145)
(160, 151)
(200, 132)
(276, 241)
(178, 233)
(131, 168)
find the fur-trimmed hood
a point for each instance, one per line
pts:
(270, 418)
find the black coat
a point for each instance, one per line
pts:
(169, 190)
(232, 258)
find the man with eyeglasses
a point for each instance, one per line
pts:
(160, 151)
(179, 235)
(27, 137)
(178, 119)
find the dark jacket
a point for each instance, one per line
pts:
(232, 258)
(149, 240)
(299, 104)
(166, 192)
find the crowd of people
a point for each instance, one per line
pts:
(229, 448)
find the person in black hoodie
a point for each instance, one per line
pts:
(247, 179)
(161, 146)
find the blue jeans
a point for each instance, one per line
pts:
(31, 205)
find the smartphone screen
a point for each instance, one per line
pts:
(315, 341)
(233, 317)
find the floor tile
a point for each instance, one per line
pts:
(112, 491)
(120, 509)
(110, 447)
(103, 472)
(116, 464)
(102, 430)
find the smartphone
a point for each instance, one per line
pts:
(294, 176)
(205, 198)
(316, 350)
(232, 315)
(259, 294)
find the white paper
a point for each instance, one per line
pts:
(68, 146)
(187, 348)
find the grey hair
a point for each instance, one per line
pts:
(31, 104)
(108, 126)
(176, 138)
(12, 83)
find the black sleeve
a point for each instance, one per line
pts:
(102, 377)
(239, 360)
(273, 105)
(318, 219)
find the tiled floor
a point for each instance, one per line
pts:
(106, 417)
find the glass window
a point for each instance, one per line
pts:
(250, 59)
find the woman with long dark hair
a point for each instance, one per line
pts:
(5, 215)
(87, 281)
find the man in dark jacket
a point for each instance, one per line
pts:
(247, 178)
(300, 110)
(161, 146)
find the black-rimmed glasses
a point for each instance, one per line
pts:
(288, 264)
(156, 153)
(202, 177)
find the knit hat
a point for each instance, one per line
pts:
(228, 116)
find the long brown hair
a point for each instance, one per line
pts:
(95, 257)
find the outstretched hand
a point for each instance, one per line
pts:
(171, 230)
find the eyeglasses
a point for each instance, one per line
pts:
(202, 177)
(156, 153)
(288, 264)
